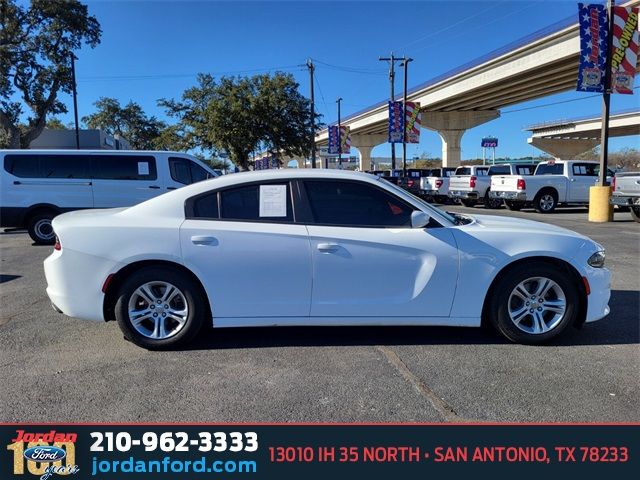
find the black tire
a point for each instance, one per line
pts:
(40, 229)
(513, 206)
(501, 296)
(491, 203)
(192, 295)
(545, 201)
(468, 203)
(635, 213)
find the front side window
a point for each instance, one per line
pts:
(355, 204)
(185, 171)
(525, 169)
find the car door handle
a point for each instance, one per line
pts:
(204, 240)
(172, 188)
(328, 247)
(154, 186)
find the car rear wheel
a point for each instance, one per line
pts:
(40, 229)
(513, 206)
(533, 303)
(160, 308)
(635, 213)
(546, 201)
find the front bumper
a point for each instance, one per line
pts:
(514, 196)
(473, 195)
(598, 300)
(624, 201)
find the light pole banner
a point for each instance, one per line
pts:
(396, 123)
(333, 139)
(413, 122)
(594, 30)
(625, 49)
(345, 139)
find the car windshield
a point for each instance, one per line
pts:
(437, 212)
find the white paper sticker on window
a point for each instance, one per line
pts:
(273, 200)
(143, 168)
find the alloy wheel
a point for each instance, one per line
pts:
(537, 305)
(158, 310)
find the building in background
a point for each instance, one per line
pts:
(90, 139)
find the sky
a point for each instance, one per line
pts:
(154, 49)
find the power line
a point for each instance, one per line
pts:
(350, 69)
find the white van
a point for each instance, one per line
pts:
(37, 185)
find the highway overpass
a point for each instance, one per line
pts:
(568, 138)
(538, 65)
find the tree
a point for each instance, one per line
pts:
(56, 124)
(241, 115)
(130, 122)
(36, 44)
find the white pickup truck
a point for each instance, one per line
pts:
(554, 182)
(436, 186)
(626, 192)
(472, 184)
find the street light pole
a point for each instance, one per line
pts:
(405, 64)
(313, 114)
(604, 133)
(392, 75)
(339, 135)
(75, 99)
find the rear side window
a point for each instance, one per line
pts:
(586, 169)
(48, 166)
(355, 204)
(124, 167)
(549, 169)
(261, 203)
(481, 171)
(525, 169)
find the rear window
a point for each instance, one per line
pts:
(501, 170)
(549, 169)
(463, 171)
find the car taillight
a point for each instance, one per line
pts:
(472, 181)
(410, 183)
(521, 184)
(57, 245)
(613, 183)
(438, 183)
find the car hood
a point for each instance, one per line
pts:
(517, 225)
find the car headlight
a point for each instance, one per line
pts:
(597, 259)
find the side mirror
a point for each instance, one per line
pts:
(419, 219)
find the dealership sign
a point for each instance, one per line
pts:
(594, 32)
(396, 122)
(413, 121)
(624, 55)
(489, 142)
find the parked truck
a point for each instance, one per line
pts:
(553, 183)
(435, 186)
(626, 192)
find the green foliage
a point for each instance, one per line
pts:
(142, 132)
(56, 124)
(36, 44)
(241, 115)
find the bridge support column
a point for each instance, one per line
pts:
(451, 126)
(564, 148)
(365, 145)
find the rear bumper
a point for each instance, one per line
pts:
(74, 283)
(624, 201)
(473, 195)
(514, 196)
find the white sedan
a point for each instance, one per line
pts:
(318, 247)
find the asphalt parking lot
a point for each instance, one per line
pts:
(58, 369)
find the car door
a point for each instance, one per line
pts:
(123, 180)
(253, 259)
(584, 177)
(368, 261)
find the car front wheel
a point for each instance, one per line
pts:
(533, 303)
(635, 213)
(160, 308)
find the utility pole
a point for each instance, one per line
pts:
(392, 75)
(604, 133)
(75, 99)
(311, 68)
(339, 135)
(405, 64)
